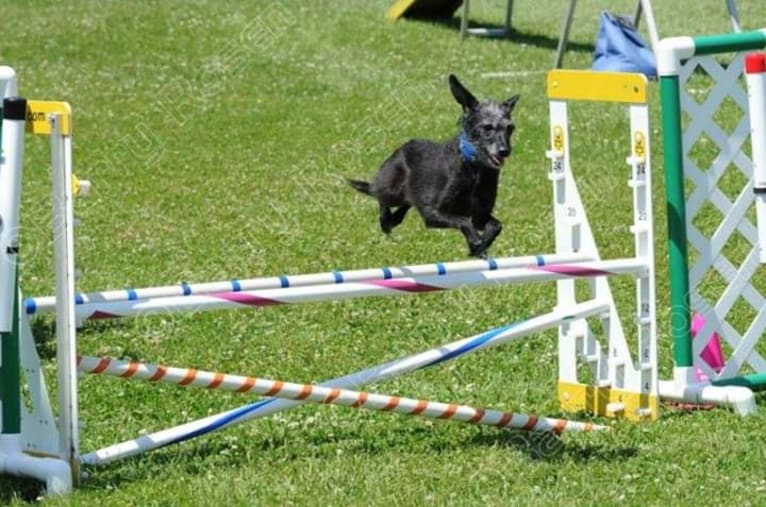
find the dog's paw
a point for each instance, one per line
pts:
(479, 251)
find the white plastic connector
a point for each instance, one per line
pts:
(670, 53)
(84, 188)
(615, 408)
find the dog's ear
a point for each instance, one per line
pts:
(461, 93)
(511, 103)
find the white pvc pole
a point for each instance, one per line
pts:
(63, 242)
(47, 304)
(392, 287)
(755, 75)
(371, 375)
(7, 82)
(740, 399)
(731, 5)
(651, 26)
(14, 114)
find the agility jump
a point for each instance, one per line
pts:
(624, 380)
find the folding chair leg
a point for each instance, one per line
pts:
(651, 26)
(564, 37)
(464, 18)
(637, 14)
(508, 15)
(731, 5)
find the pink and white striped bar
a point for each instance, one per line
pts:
(47, 304)
(391, 287)
(379, 373)
(330, 395)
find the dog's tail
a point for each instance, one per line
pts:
(360, 186)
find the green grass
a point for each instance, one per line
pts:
(217, 136)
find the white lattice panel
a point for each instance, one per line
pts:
(708, 250)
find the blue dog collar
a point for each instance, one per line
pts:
(466, 148)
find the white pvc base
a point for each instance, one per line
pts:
(684, 376)
(489, 32)
(740, 399)
(55, 473)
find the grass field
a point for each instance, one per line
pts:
(217, 135)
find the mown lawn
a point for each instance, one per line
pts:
(218, 134)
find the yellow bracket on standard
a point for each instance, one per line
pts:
(38, 117)
(623, 87)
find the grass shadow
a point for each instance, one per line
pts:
(550, 447)
(44, 332)
(536, 446)
(514, 36)
(14, 489)
(220, 453)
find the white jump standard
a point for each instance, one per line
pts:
(624, 380)
(21, 431)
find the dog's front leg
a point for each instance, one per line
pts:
(489, 228)
(491, 231)
(437, 219)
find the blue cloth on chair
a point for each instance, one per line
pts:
(620, 48)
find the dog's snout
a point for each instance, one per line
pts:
(504, 152)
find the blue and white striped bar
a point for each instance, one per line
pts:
(40, 305)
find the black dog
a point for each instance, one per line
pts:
(452, 184)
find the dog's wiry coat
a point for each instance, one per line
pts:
(452, 184)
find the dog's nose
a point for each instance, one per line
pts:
(504, 152)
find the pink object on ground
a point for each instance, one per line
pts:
(712, 353)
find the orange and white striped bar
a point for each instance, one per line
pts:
(329, 395)
(355, 380)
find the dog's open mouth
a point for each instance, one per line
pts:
(497, 160)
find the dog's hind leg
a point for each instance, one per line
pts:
(399, 214)
(389, 219)
(386, 219)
